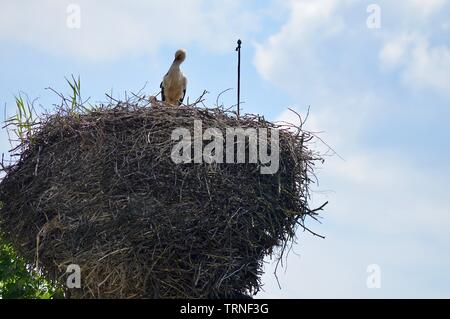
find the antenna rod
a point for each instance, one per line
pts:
(238, 49)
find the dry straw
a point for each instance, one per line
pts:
(97, 188)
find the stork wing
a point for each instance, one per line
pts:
(182, 98)
(184, 90)
(163, 96)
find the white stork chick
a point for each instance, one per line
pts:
(173, 86)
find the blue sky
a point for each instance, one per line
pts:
(381, 97)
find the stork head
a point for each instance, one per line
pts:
(180, 55)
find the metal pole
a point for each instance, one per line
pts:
(238, 49)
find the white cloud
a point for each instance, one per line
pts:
(429, 68)
(445, 25)
(384, 207)
(340, 120)
(395, 50)
(293, 46)
(111, 29)
(411, 14)
(311, 42)
(385, 184)
(422, 66)
(425, 7)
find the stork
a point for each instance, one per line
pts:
(173, 86)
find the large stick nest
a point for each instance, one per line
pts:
(99, 189)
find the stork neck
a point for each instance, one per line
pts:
(176, 64)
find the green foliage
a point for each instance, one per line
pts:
(24, 119)
(17, 278)
(18, 281)
(75, 97)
